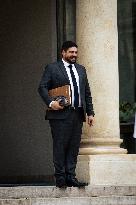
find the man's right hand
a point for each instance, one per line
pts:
(55, 105)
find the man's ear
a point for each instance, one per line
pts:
(63, 52)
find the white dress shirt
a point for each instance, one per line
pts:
(71, 83)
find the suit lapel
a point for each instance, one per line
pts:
(79, 73)
(63, 70)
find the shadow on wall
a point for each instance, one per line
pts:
(26, 144)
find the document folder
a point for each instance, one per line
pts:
(61, 91)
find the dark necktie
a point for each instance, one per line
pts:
(76, 94)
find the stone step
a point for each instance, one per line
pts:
(112, 200)
(90, 195)
(103, 200)
(53, 192)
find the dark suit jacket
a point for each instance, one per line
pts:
(55, 75)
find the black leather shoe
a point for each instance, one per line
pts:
(75, 183)
(60, 183)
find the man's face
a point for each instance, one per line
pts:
(70, 55)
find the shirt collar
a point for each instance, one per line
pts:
(65, 63)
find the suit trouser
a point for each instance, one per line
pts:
(66, 134)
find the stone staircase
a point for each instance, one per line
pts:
(50, 195)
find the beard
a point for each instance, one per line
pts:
(71, 60)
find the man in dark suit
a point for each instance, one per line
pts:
(66, 122)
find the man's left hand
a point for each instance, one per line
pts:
(90, 120)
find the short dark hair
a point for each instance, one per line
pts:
(68, 44)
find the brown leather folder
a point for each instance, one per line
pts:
(61, 91)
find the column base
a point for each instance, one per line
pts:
(100, 150)
(107, 169)
(101, 146)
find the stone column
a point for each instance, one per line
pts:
(97, 39)
(98, 51)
